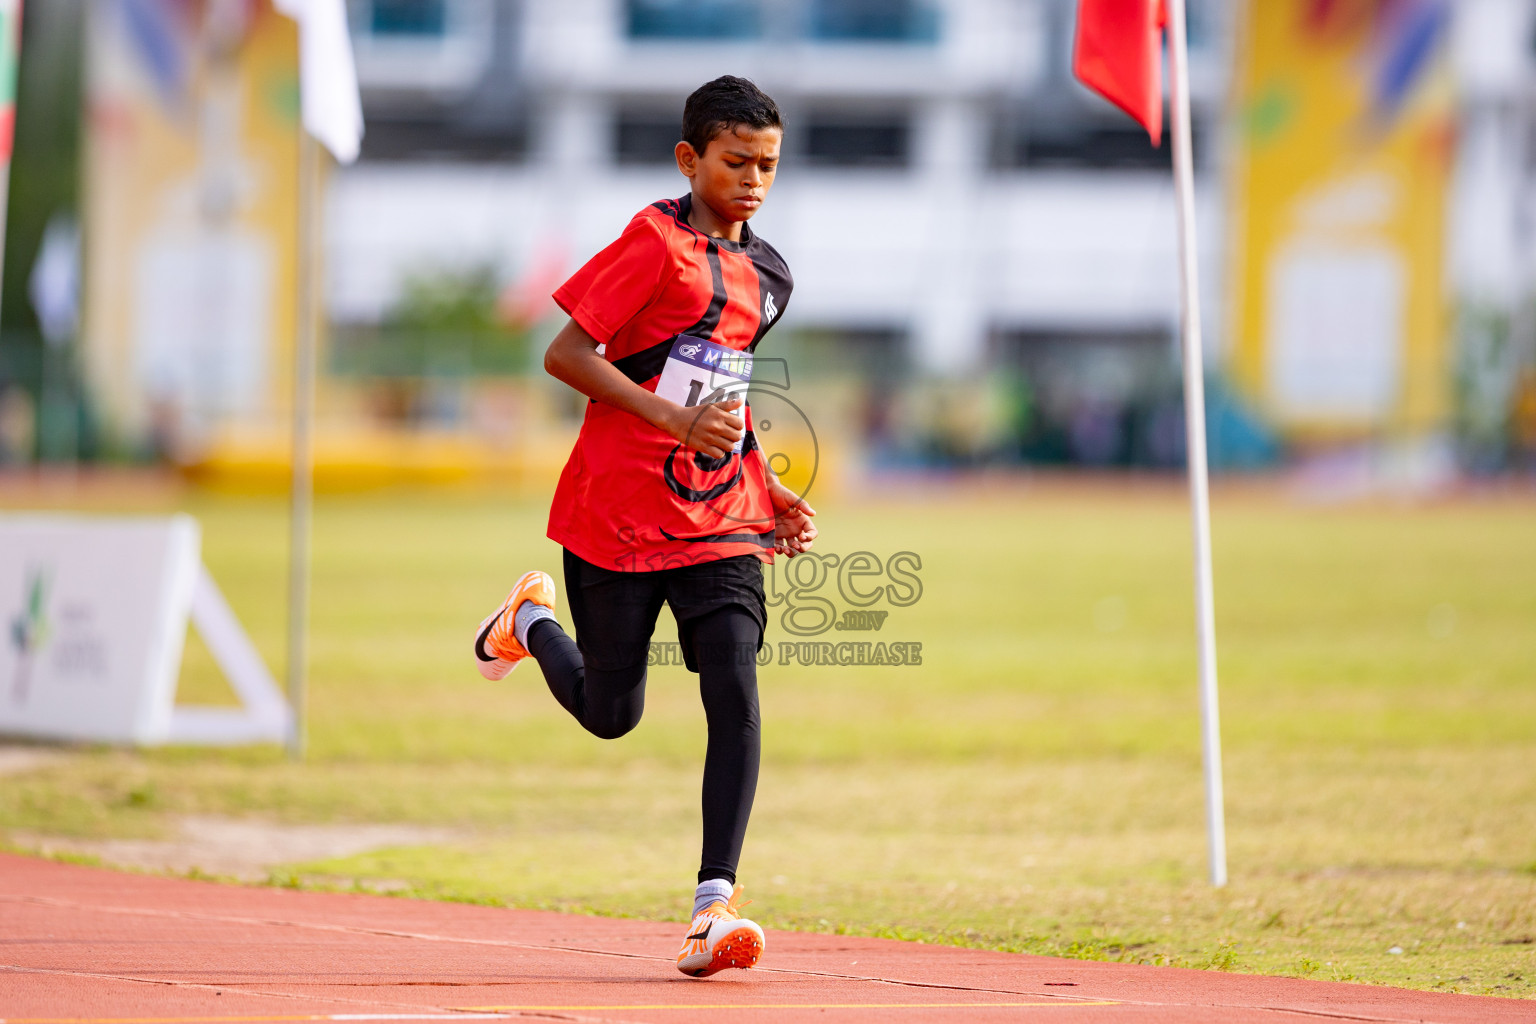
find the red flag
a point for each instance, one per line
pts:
(1119, 55)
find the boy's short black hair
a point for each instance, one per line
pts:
(724, 104)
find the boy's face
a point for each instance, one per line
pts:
(735, 171)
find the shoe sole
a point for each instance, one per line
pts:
(498, 668)
(742, 948)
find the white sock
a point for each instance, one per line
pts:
(710, 891)
(526, 615)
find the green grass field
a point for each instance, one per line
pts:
(1034, 785)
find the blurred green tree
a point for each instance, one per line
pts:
(446, 323)
(44, 183)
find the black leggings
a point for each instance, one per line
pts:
(608, 704)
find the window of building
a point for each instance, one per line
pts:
(1050, 139)
(423, 46)
(407, 17)
(695, 19)
(882, 21)
(1100, 146)
(435, 138)
(857, 140)
(646, 137)
(1201, 26)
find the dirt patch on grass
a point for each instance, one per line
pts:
(237, 848)
(18, 758)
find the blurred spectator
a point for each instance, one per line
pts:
(18, 425)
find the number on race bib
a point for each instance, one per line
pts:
(699, 370)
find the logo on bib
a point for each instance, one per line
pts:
(689, 350)
(770, 311)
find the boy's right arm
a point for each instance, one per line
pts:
(573, 358)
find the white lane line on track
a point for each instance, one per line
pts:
(1053, 1004)
(255, 1018)
(508, 1012)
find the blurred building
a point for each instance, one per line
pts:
(1491, 248)
(985, 253)
(950, 200)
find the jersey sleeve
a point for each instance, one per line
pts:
(618, 282)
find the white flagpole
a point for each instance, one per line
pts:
(302, 493)
(1194, 428)
(332, 115)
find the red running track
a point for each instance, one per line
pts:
(88, 946)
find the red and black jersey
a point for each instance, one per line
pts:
(631, 497)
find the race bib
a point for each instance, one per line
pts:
(700, 372)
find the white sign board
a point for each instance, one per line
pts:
(1336, 332)
(94, 614)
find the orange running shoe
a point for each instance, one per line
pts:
(497, 651)
(720, 937)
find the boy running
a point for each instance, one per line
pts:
(666, 496)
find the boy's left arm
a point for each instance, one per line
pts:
(793, 531)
